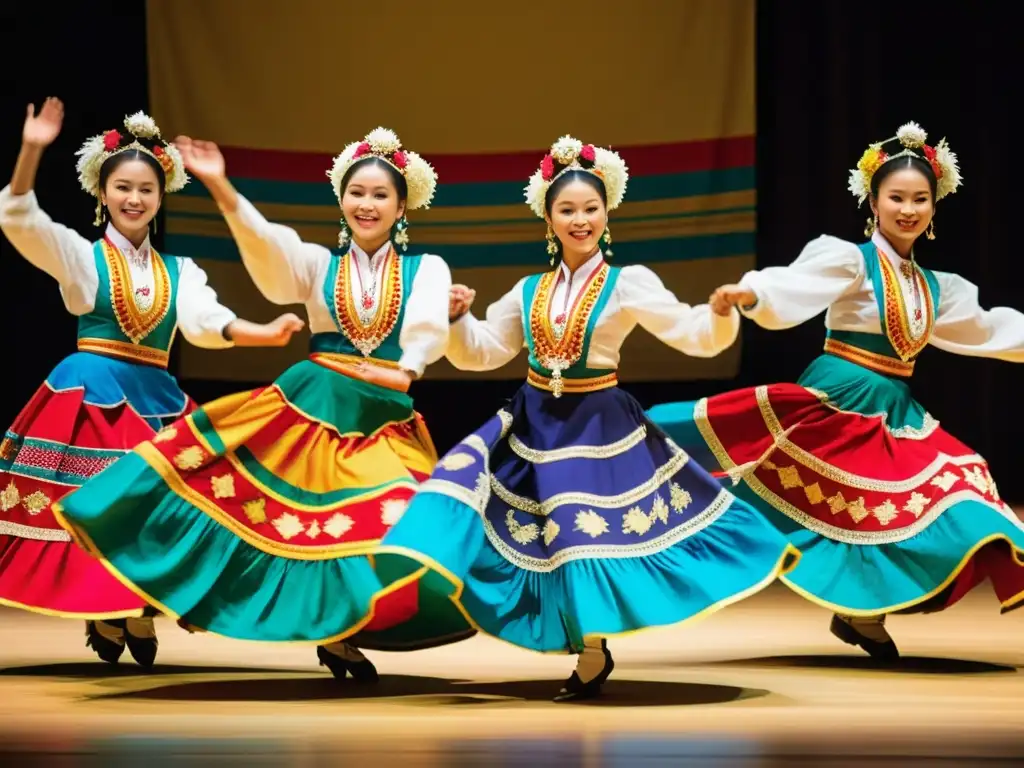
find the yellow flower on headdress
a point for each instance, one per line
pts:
(871, 161)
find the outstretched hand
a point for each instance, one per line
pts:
(43, 127)
(203, 159)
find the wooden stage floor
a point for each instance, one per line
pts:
(760, 684)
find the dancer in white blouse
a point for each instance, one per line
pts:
(892, 513)
(254, 517)
(568, 517)
(115, 391)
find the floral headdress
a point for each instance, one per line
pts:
(568, 154)
(420, 177)
(911, 140)
(141, 133)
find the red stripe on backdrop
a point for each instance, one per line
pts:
(645, 160)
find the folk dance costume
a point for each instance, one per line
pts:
(255, 516)
(891, 513)
(99, 402)
(568, 516)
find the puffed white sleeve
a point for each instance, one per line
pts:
(692, 330)
(424, 333)
(826, 270)
(58, 251)
(281, 264)
(963, 327)
(201, 318)
(484, 345)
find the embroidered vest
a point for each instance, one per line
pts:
(894, 350)
(380, 339)
(116, 327)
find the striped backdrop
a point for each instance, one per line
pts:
(481, 91)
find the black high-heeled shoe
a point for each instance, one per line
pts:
(575, 689)
(361, 671)
(107, 650)
(876, 649)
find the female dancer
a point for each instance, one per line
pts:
(253, 517)
(115, 391)
(568, 517)
(891, 512)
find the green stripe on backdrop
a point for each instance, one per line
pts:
(172, 215)
(497, 193)
(513, 254)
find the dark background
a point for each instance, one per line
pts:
(832, 77)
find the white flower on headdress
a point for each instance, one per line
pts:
(420, 177)
(566, 149)
(142, 125)
(90, 159)
(858, 185)
(615, 174)
(177, 178)
(947, 161)
(383, 140)
(911, 135)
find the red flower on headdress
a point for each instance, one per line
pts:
(111, 139)
(547, 168)
(932, 156)
(361, 150)
(588, 153)
(399, 159)
(158, 151)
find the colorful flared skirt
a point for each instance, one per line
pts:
(256, 516)
(891, 513)
(562, 518)
(89, 412)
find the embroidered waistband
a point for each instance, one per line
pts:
(890, 366)
(123, 350)
(558, 385)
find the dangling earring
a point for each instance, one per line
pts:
(552, 245)
(402, 232)
(607, 238)
(101, 213)
(343, 235)
(872, 225)
(930, 234)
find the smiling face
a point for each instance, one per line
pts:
(578, 218)
(371, 206)
(132, 195)
(904, 207)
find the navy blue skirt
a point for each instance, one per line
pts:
(563, 518)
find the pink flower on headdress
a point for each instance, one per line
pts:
(547, 168)
(588, 153)
(399, 159)
(361, 150)
(111, 139)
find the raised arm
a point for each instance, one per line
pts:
(57, 250)
(693, 330)
(424, 333)
(283, 267)
(782, 297)
(963, 327)
(484, 345)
